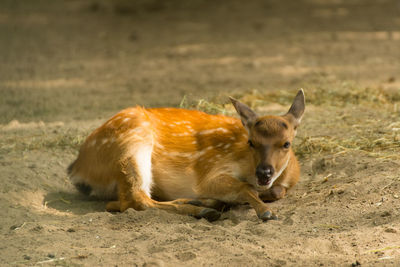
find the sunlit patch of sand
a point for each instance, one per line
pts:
(55, 83)
(16, 125)
(36, 200)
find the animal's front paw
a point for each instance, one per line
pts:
(268, 215)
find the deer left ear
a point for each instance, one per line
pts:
(296, 111)
(247, 115)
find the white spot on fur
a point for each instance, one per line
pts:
(220, 145)
(200, 153)
(194, 142)
(104, 140)
(232, 138)
(227, 146)
(210, 131)
(126, 119)
(136, 130)
(158, 145)
(180, 134)
(145, 123)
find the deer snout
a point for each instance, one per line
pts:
(264, 174)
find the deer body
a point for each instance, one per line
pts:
(183, 161)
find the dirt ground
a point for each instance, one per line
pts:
(66, 66)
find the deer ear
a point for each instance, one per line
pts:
(296, 111)
(247, 115)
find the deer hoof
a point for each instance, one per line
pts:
(266, 216)
(209, 214)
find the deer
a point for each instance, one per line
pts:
(190, 162)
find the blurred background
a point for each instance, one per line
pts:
(78, 60)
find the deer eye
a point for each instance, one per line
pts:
(250, 143)
(286, 145)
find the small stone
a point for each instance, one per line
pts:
(70, 230)
(185, 256)
(51, 255)
(27, 257)
(390, 230)
(340, 191)
(37, 228)
(354, 264)
(385, 214)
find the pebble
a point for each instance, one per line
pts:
(385, 214)
(390, 230)
(27, 257)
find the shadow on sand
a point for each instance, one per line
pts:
(73, 202)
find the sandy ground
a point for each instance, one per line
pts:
(66, 66)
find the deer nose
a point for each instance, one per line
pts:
(264, 171)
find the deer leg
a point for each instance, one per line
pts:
(132, 195)
(204, 202)
(140, 201)
(228, 189)
(113, 206)
(276, 192)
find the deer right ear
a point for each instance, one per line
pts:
(297, 109)
(247, 115)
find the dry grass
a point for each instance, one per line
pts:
(345, 94)
(204, 105)
(383, 147)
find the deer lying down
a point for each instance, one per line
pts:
(188, 162)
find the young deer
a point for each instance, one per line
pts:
(190, 162)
